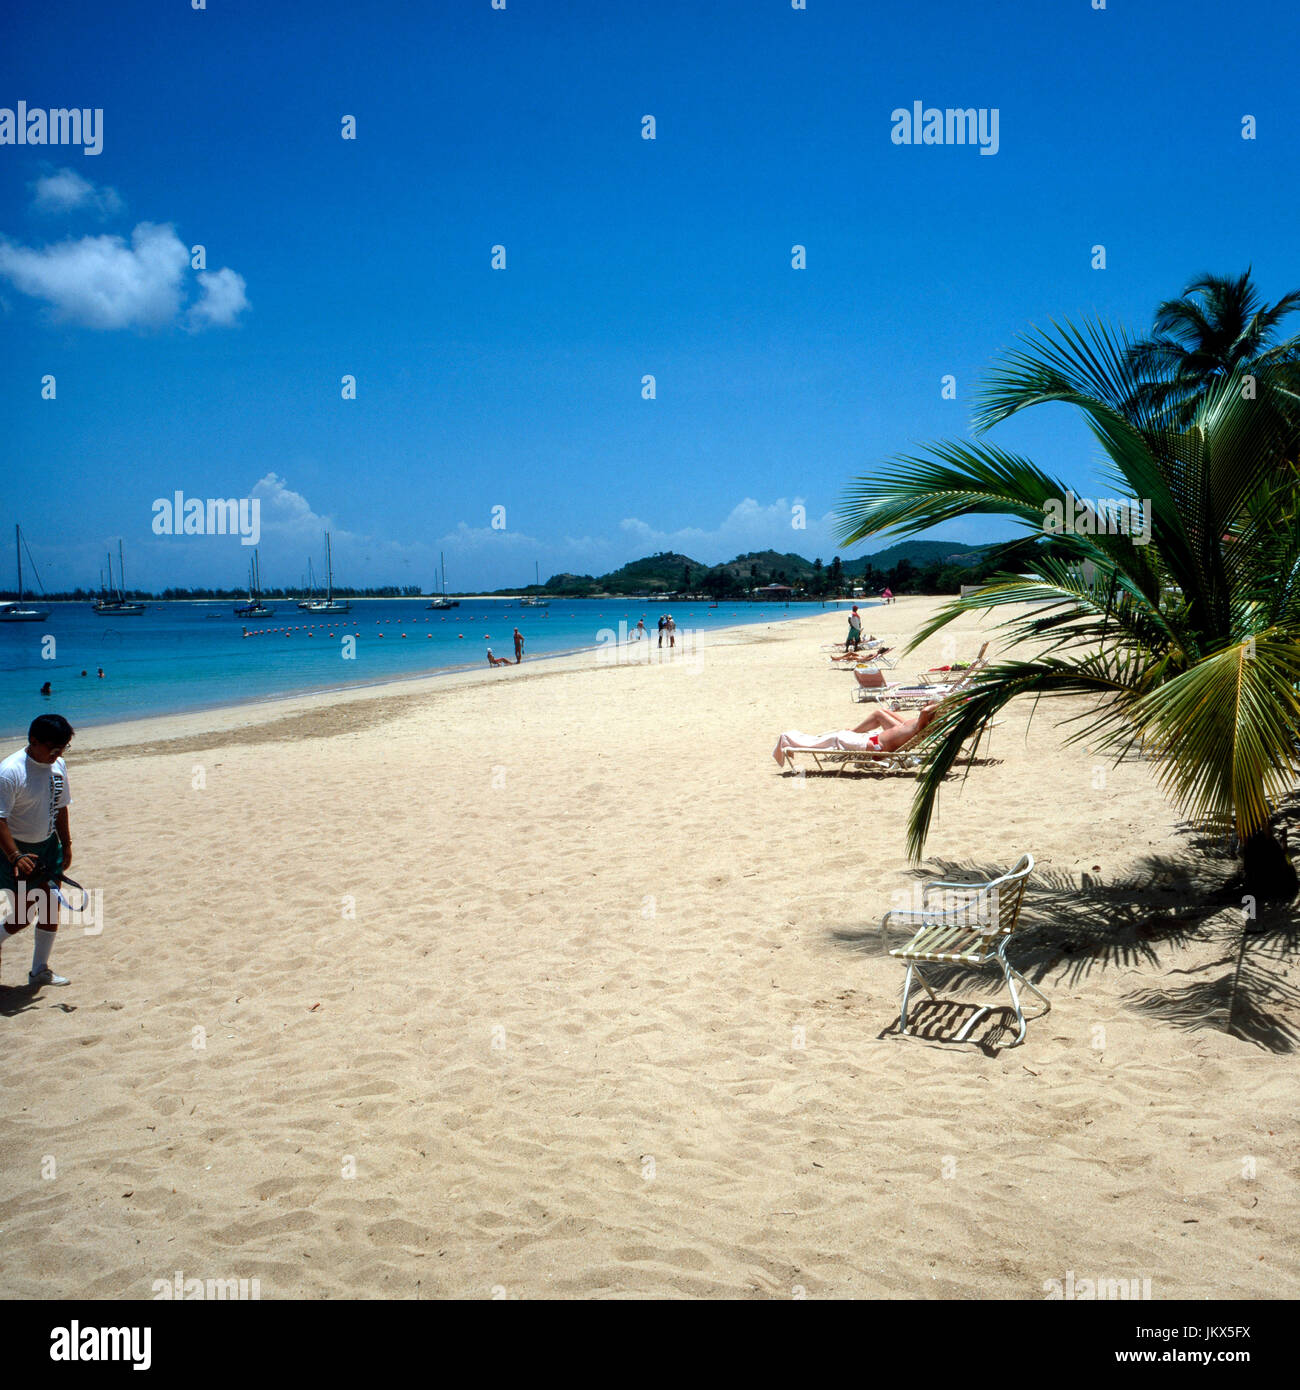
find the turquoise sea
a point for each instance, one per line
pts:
(185, 656)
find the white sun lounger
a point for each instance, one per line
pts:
(974, 932)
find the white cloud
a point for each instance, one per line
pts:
(221, 299)
(474, 536)
(67, 191)
(289, 513)
(748, 526)
(101, 281)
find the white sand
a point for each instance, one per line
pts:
(608, 1019)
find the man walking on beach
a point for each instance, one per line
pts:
(663, 623)
(35, 838)
(519, 646)
(855, 630)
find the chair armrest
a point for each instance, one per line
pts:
(910, 915)
(959, 887)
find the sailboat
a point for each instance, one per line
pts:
(254, 608)
(329, 604)
(21, 612)
(528, 600)
(112, 603)
(441, 600)
(311, 588)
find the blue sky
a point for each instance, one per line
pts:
(521, 388)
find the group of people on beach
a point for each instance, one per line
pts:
(505, 660)
(667, 628)
(882, 731)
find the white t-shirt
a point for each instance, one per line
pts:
(31, 794)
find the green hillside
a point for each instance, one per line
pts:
(665, 573)
(910, 566)
(766, 567)
(918, 553)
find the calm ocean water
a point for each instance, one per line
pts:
(184, 656)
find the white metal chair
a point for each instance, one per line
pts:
(974, 932)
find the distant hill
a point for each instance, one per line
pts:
(670, 572)
(765, 566)
(918, 553)
(664, 573)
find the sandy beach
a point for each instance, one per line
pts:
(545, 982)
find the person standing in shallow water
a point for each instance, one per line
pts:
(519, 646)
(35, 838)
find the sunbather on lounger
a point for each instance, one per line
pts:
(882, 730)
(870, 654)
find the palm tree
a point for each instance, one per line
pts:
(1187, 637)
(1216, 327)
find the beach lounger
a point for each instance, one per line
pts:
(974, 932)
(912, 697)
(858, 759)
(906, 693)
(845, 749)
(944, 675)
(871, 687)
(845, 659)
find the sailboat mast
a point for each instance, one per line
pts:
(329, 571)
(121, 572)
(18, 546)
(442, 567)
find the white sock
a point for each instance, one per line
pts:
(41, 949)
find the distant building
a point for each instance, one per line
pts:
(774, 591)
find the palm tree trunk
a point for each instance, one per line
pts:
(1270, 875)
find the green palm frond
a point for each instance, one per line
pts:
(1118, 679)
(1187, 637)
(959, 480)
(1228, 730)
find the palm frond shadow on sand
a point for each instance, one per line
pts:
(1072, 926)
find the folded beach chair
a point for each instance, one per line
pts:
(974, 931)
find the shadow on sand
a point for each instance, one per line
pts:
(1072, 926)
